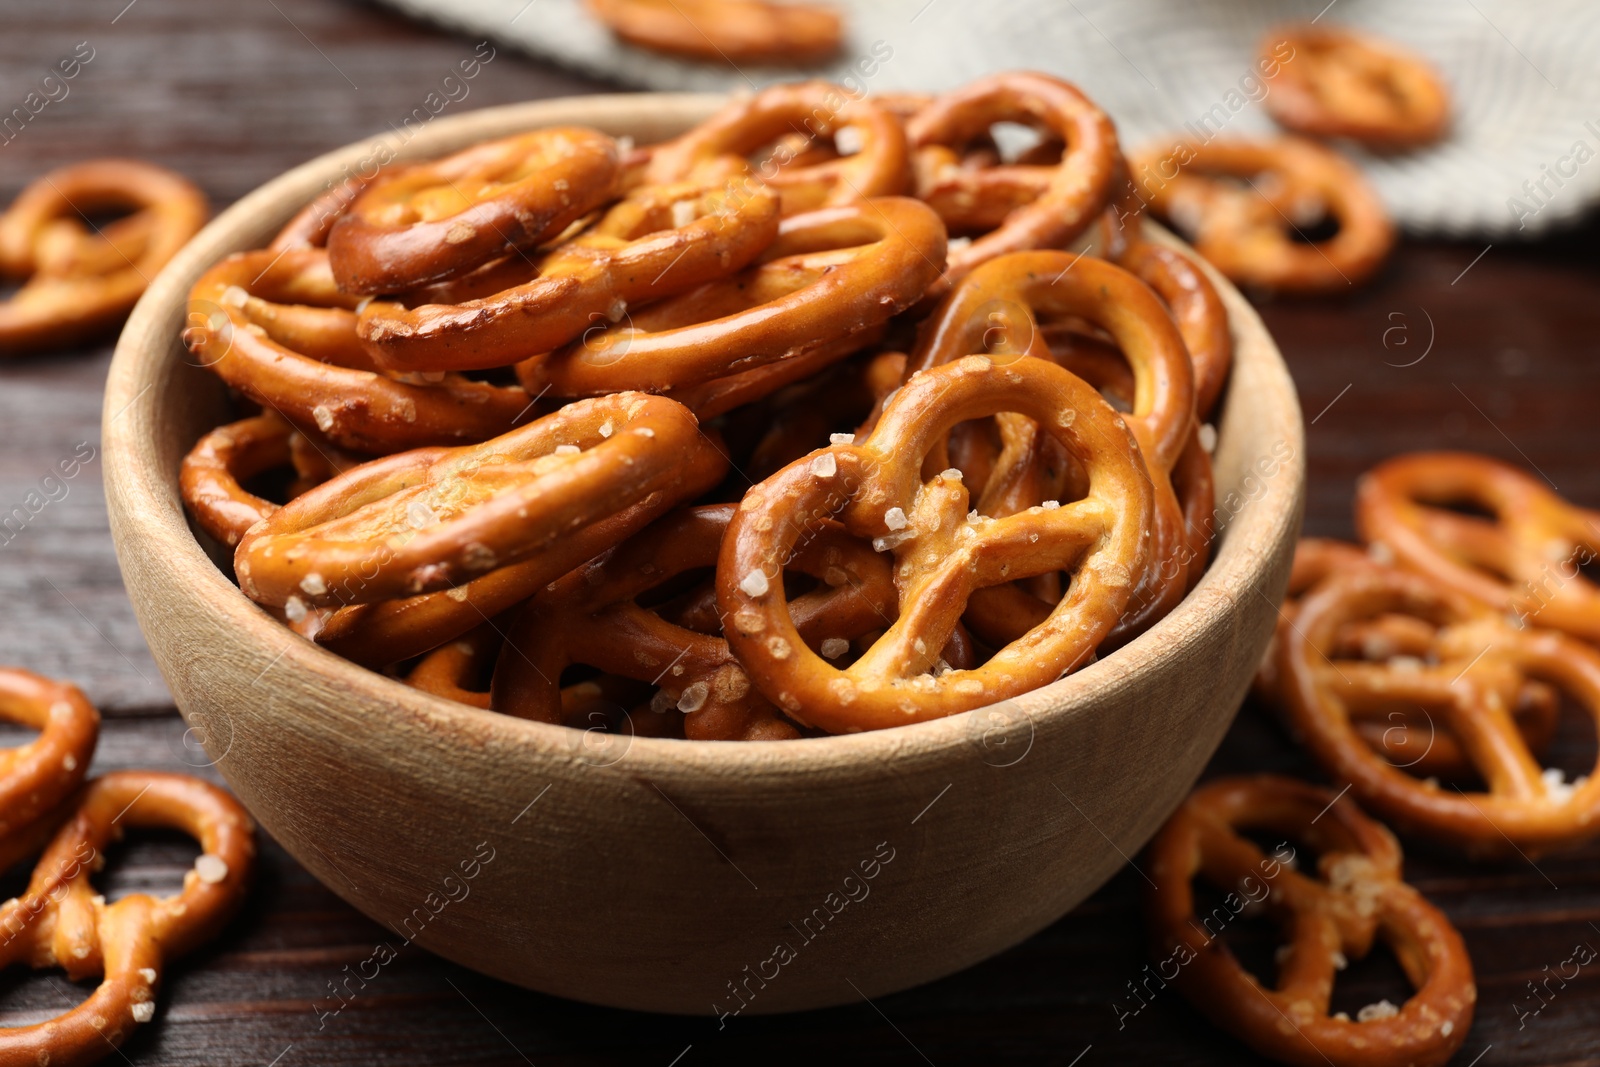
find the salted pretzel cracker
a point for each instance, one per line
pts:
(435, 518)
(1527, 559)
(1195, 304)
(61, 921)
(876, 489)
(274, 326)
(211, 477)
(1342, 83)
(723, 31)
(1471, 676)
(1242, 204)
(831, 273)
(37, 777)
(439, 220)
(998, 308)
(1071, 193)
(461, 671)
(592, 617)
(79, 281)
(817, 111)
(659, 241)
(1404, 734)
(1356, 898)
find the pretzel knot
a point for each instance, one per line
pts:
(725, 31)
(1470, 677)
(813, 113)
(1527, 557)
(659, 241)
(439, 220)
(60, 921)
(1340, 83)
(998, 307)
(831, 278)
(1244, 203)
(434, 518)
(1358, 897)
(77, 283)
(211, 477)
(1065, 197)
(391, 631)
(274, 327)
(942, 553)
(36, 777)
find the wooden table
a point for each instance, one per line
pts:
(1454, 346)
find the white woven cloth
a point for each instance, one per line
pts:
(1523, 154)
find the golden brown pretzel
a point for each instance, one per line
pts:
(592, 617)
(1242, 203)
(78, 281)
(274, 326)
(998, 308)
(61, 921)
(433, 221)
(1475, 669)
(436, 518)
(816, 111)
(1072, 192)
(310, 226)
(210, 479)
(876, 489)
(379, 634)
(1526, 559)
(37, 777)
(659, 241)
(1357, 899)
(831, 275)
(752, 31)
(1406, 735)
(1341, 83)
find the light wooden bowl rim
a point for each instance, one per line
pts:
(148, 346)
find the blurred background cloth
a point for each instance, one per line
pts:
(1524, 77)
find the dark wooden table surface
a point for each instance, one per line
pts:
(1496, 350)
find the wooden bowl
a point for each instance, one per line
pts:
(680, 876)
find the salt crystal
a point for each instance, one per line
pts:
(211, 869)
(693, 697)
(323, 416)
(754, 584)
(567, 450)
(895, 519)
(834, 647)
(1208, 437)
(841, 438)
(294, 609)
(1373, 1012)
(143, 1013)
(848, 141)
(682, 215)
(607, 429)
(825, 465)
(313, 585)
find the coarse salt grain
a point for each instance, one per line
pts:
(323, 416)
(294, 609)
(148, 974)
(849, 141)
(607, 429)
(834, 647)
(567, 450)
(841, 438)
(143, 1013)
(682, 215)
(825, 465)
(211, 869)
(693, 697)
(313, 585)
(1208, 437)
(753, 584)
(895, 518)
(1373, 1012)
